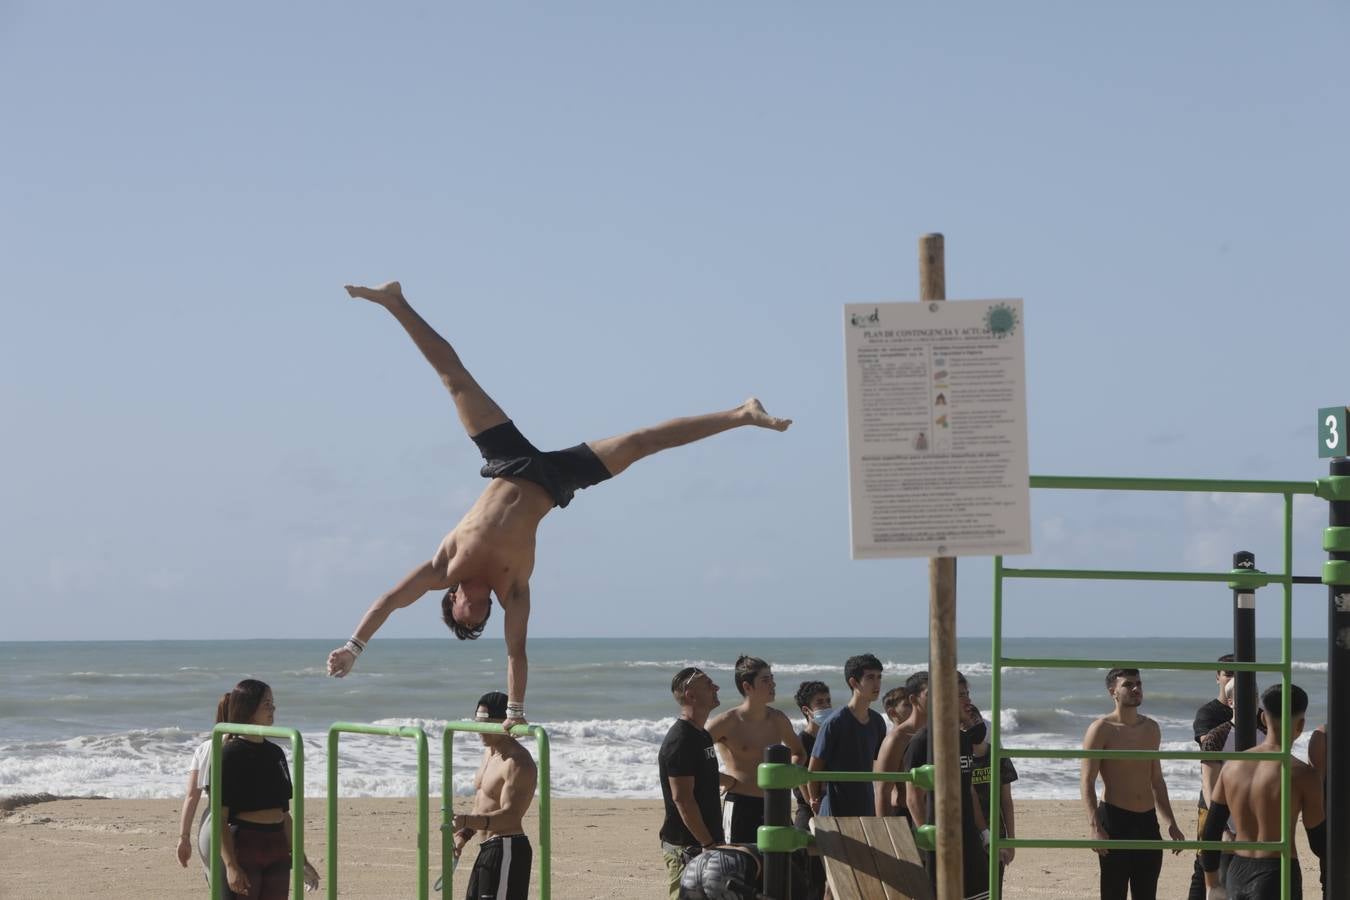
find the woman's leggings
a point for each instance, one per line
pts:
(265, 857)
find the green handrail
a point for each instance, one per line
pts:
(402, 731)
(1236, 579)
(217, 879)
(448, 796)
(786, 776)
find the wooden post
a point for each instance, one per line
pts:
(944, 724)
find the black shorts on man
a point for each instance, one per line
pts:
(1132, 872)
(741, 817)
(508, 454)
(502, 870)
(1259, 879)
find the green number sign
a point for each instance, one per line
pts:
(1331, 436)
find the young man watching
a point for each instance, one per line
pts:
(503, 790)
(893, 799)
(687, 765)
(896, 705)
(741, 734)
(1134, 792)
(1212, 725)
(848, 742)
(974, 828)
(813, 701)
(1249, 792)
(981, 779)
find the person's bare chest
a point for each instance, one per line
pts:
(747, 739)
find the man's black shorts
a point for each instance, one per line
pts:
(502, 870)
(560, 472)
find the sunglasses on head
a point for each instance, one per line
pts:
(684, 685)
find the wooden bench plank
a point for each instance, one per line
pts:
(839, 873)
(871, 858)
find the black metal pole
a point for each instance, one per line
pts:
(777, 811)
(1338, 704)
(1244, 650)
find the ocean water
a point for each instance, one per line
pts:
(120, 719)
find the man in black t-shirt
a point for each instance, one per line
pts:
(974, 858)
(687, 765)
(981, 781)
(1213, 722)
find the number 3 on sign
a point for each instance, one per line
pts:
(1331, 431)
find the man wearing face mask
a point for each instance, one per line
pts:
(813, 699)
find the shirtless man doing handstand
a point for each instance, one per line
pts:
(491, 550)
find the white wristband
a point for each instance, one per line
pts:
(354, 646)
(515, 710)
(986, 837)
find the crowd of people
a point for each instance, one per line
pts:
(712, 806)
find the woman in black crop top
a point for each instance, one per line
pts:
(255, 801)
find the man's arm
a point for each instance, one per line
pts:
(789, 738)
(1008, 819)
(411, 589)
(682, 795)
(814, 790)
(517, 615)
(888, 760)
(1095, 739)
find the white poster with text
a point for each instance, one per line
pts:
(937, 429)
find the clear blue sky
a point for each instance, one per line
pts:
(623, 212)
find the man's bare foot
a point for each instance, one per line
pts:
(384, 295)
(755, 414)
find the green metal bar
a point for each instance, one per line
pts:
(1034, 753)
(996, 699)
(1203, 485)
(297, 801)
(1225, 846)
(545, 801)
(1287, 654)
(402, 731)
(1031, 662)
(1233, 579)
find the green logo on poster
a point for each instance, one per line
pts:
(1001, 320)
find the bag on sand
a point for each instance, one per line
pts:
(722, 873)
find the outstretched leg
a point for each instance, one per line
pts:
(618, 453)
(476, 409)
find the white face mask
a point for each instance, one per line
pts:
(820, 715)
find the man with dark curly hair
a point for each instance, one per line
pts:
(491, 550)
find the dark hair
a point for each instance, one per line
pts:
(1273, 700)
(242, 702)
(808, 691)
(894, 697)
(1113, 674)
(916, 683)
(855, 666)
(1227, 657)
(682, 678)
(747, 670)
(495, 704)
(462, 631)
(961, 678)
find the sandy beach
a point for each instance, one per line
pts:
(602, 849)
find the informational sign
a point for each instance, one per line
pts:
(1331, 432)
(937, 429)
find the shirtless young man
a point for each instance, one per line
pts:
(891, 799)
(1249, 792)
(491, 550)
(741, 734)
(1134, 792)
(503, 790)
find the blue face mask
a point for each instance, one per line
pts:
(820, 715)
